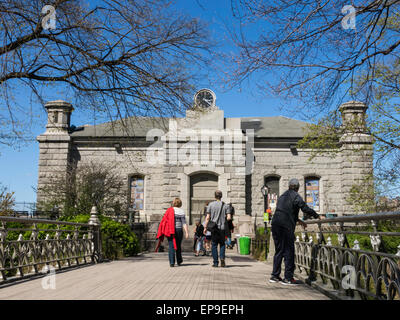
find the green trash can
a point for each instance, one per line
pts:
(244, 243)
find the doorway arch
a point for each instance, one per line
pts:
(202, 188)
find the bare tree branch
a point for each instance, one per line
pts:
(119, 58)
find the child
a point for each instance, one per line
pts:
(199, 236)
(207, 242)
(228, 237)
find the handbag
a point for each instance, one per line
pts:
(213, 225)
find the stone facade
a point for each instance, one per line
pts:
(54, 144)
(240, 152)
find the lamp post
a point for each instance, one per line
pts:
(264, 191)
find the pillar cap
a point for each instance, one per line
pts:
(59, 104)
(353, 106)
(94, 219)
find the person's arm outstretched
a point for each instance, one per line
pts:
(299, 202)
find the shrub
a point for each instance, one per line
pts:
(120, 235)
(117, 239)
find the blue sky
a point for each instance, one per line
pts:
(19, 168)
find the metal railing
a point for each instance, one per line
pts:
(367, 270)
(29, 247)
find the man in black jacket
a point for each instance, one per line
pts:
(282, 226)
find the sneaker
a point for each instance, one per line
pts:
(291, 282)
(215, 266)
(274, 279)
(171, 265)
(223, 263)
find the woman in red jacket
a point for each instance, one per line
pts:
(172, 225)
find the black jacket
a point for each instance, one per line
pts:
(200, 230)
(287, 210)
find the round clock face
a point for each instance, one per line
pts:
(204, 98)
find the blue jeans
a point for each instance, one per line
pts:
(218, 237)
(214, 250)
(171, 250)
(199, 245)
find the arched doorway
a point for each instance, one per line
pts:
(202, 188)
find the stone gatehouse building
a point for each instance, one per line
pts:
(190, 157)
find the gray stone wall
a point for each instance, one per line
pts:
(128, 161)
(231, 180)
(357, 164)
(282, 163)
(54, 153)
(165, 180)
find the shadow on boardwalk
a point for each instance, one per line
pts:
(149, 276)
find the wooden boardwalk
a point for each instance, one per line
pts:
(149, 276)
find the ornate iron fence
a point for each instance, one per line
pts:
(28, 247)
(367, 270)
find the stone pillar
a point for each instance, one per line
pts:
(54, 146)
(95, 226)
(356, 150)
(236, 182)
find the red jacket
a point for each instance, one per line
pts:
(167, 227)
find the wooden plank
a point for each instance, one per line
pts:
(149, 277)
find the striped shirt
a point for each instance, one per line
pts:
(180, 219)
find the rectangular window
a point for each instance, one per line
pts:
(137, 193)
(312, 193)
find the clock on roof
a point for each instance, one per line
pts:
(205, 98)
